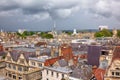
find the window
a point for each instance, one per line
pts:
(51, 73)
(57, 75)
(47, 71)
(14, 67)
(62, 75)
(14, 77)
(33, 63)
(9, 65)
(118, 68)
(117, 74)
(41, 73)
(39, 64)
(113, 73)
(10, 75)
(25, 69)
(19, 68)
(20, 78)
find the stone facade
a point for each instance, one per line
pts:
(19, 69)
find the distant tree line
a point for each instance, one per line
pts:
(25, 34)
(118, 33)
(106, 33)
(45, 35)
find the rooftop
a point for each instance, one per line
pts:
(60, 69)
(26, 49)
(40, 59)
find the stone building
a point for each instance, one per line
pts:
(17, 67)
(113, 71)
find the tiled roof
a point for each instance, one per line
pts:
(50, 62)
(99, 74)
(116, 53)
(40, 43)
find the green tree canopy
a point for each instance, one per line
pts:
(46, 35)
(118, 33)
(25, 34)
(103, 33)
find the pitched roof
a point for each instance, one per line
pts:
(82, 72)
(16, 54)
(50, 62)
(99, 73)
(2, 53)
(40, 43)
(116, 53)
(62, 63)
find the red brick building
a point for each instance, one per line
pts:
(1, 48)
(66, 52)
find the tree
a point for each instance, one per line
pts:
(25, 34)
(118, 33)
(46, 35)
(103, 33)
(49, 36)
(69, 33)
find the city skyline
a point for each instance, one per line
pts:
(68, 15)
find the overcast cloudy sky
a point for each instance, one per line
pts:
(68, 14)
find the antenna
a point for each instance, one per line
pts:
(54, 25)
(54, 28)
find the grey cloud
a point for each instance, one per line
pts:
(106, 8)
(63, 8)
(6, 5)
(55, 8)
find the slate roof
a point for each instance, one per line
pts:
(16, 54)
(62, 63)
(2, 53)
(79, 47)
(83, 72)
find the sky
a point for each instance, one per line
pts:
(40, 15)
